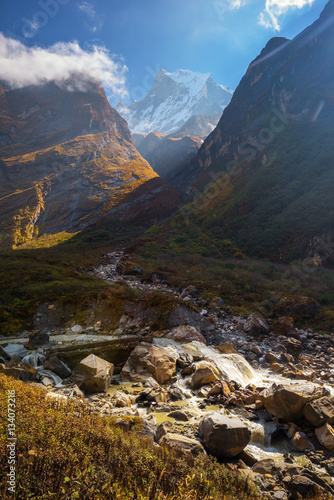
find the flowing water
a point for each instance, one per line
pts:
(233, 367)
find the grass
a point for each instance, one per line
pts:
(35, 275)
(64, 452)
(51, 268)
(218, 268)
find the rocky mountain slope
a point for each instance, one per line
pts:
(175, 98)
(66, 161)
(168, 154)
(269, 162)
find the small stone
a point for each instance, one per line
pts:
(227, 348)
(76, 329)
(276, 367)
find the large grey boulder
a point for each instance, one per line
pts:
(13, 350)
(146, 361)
(93, 374)
(320, 411)
(288, 401)
(223, 436)
(182, 442)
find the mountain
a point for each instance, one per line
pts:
(168, 154)
(267, 170)
(198, 126)
(67, 160)
(173, 99)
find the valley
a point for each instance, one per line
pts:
(167, 275)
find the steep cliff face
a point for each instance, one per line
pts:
(66, 160)
(270, 160)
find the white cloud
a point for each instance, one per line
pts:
(21, 65)
(270, 17)
(88, 8)
(236, 4)
(95, 20)
(223, 6)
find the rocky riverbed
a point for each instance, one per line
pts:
(257, 395)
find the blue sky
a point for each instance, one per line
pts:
(220, 37)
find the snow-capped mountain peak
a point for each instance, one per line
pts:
(173, 99)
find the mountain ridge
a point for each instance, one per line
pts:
(67, 161)
(277, 126)
(173, 99)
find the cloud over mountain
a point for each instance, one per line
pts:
(274, 9)
(21, 65)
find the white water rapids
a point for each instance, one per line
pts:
(234, 367)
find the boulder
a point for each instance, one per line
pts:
(116, 350)
(288, 401)
(272, 358)
(4, 355)
(14, 350)
(204, 374)
(325, 436)
(184, 360)
(179, 415)
(268, 466)
(302, 486)
(24, 372)
(182, 442)
(276, 367)
(151, 382)
(58, 367)
(320, 411)
(121, 400)
(203, 392)
(176, 394)
(93, 374)
(300, 442)
(220, 387)
(284, 326)
(227, 348)
(162, 429)
(38, 339)
(293, 346)
(255, 325)
(148, 429)
(297, 307)
(223, 436)
(153, 395)
(185, 333)
(147, 360)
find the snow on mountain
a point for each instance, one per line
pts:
(173, 99)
